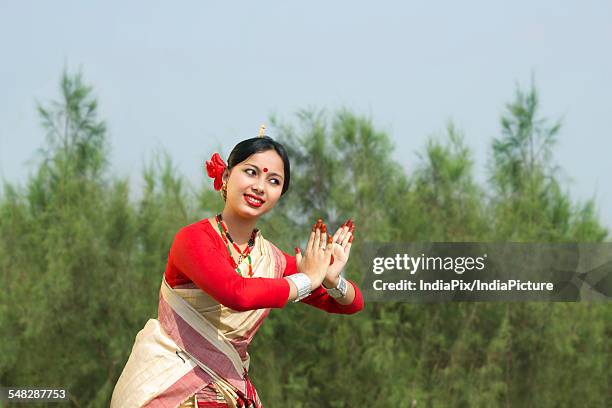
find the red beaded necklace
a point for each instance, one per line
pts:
(227, 238)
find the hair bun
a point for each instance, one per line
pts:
(215, 168)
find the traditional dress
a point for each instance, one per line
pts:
(195, 352)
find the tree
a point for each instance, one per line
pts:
(81, 266)
(529, 202)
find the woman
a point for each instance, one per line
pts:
(221, 280)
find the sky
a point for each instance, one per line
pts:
(193, 77)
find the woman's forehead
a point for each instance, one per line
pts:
(268, 159)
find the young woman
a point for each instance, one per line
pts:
(221, 280)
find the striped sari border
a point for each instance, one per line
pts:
(182, 389)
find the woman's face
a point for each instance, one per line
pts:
(255, 185)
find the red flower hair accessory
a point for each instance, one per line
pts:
(215, 168)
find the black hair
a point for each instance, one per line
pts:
(260, 144)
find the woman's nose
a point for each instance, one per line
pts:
(258, 186)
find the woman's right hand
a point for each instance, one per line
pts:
(315, 260)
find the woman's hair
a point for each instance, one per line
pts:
(260, 144)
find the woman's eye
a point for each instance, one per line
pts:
(275, 181)
(250, 172)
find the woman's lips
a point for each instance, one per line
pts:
(253, 201)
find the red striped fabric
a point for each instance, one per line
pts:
(191, 341)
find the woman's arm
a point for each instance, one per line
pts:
(195, 254)
(319, 298)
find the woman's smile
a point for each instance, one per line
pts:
(253, 201)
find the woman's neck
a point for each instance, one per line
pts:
(239, 228)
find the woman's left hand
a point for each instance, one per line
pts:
(342, 240)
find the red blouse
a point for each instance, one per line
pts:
(199, 255)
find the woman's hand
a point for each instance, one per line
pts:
(315, 260)
(342, 242)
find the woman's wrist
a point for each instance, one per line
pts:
(303, 284)
(349, 297)
(339, 290)
(331, 283)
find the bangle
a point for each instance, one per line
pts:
(303, 284)
(340, 290)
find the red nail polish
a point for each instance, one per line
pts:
(352, 229)
(329, 239)
(297, 250)
(331, 261)
(324, 228)
(351, 238)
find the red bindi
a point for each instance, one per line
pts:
(265, 169)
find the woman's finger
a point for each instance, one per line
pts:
(342, 235)
(311, 238)
(298, 256)
(349, 243)
(316, 246)
(313, 235)
(346, 227)
(345, 239)
(338, 233)
(329, 248)
(341, 230)
(348, 235)
(324, 236)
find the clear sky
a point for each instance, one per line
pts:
(192, 76)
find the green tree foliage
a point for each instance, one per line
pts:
(529, 203)
(81, 264)
(446, 197)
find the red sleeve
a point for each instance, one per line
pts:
(319, 298)
(195, 253)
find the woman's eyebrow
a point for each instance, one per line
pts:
(271, 174)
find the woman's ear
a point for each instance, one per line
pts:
(225, 175)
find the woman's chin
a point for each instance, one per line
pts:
(251, 212)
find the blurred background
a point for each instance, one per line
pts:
(423, 122)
